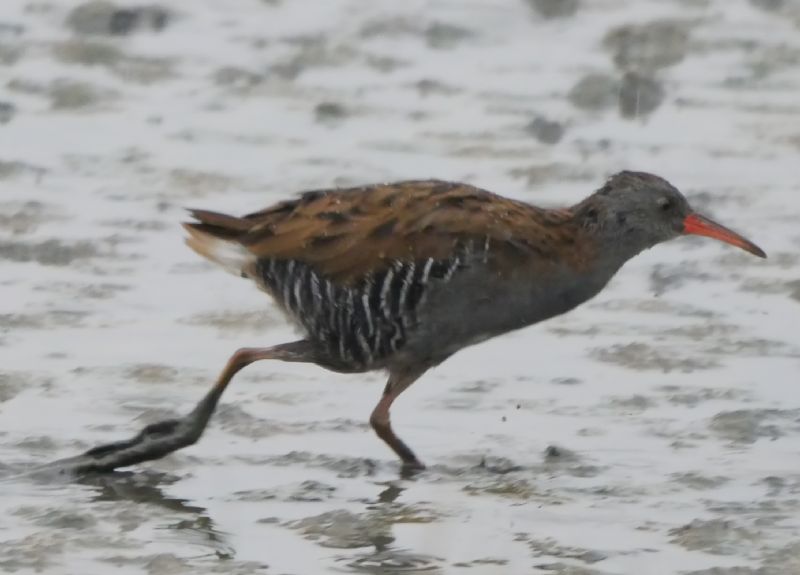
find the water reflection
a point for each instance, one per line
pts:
(386, 511)
(145, 488)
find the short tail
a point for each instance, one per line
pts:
(217, 237)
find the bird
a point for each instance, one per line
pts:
(400, 276)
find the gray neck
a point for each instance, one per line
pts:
(616, 243)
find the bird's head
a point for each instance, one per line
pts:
(637, 210)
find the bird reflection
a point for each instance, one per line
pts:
(145, 488)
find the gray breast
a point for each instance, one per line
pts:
(417, 312)
(478, 304)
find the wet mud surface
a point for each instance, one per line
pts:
(655, 430)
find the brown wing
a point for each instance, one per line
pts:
(346, 234)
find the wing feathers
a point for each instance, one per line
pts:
(349, 233)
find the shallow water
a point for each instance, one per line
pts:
(655, 430)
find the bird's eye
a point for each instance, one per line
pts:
(665, 204)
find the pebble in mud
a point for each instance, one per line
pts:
(650, 46)
(104, 18)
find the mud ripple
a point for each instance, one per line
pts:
(595, 92)
(306, 491)
(48, 252)
(551, 548)
(660, 306)
(45, 320)
(693, 396)
(152, 373)
(12, 382)
(750, 425)
(729, 571)
(256, 321)
(642, 357)
(342, 529)
(698, 481)
(559, 568)
(555, 8)
(392, 561)
(717, 536)
(346, 467)
(104, 18)
(83, 291)
(137, 69)
(24, 217)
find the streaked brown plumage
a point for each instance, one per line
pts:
(401, 276)
(347, 234)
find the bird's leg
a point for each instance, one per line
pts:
(398, 382)
(164, 437)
